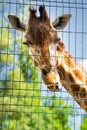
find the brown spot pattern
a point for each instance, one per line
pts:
(85, 102)
(75, 89)
(78, 74)
(61, 72)
(69, 62)
(83, 93)
(70, 77)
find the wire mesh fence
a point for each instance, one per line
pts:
(25, 102)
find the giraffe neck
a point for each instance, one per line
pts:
(72, 77)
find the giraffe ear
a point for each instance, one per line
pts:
(16, 23)
(61, 21)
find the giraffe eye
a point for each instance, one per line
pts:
(27, 43)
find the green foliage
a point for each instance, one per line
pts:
(84, 124)
(17, 101)
(5, 37)
(5, 44)
(6, 58)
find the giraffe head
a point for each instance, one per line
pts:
(40, 36)
(39, 29)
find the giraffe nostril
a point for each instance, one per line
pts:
(44, 71)
(57, 86)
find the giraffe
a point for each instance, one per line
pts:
(39, 36)
(48, 52)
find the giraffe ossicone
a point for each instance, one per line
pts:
(58, 68)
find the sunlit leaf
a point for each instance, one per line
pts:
(6, 58)
(5, 39)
